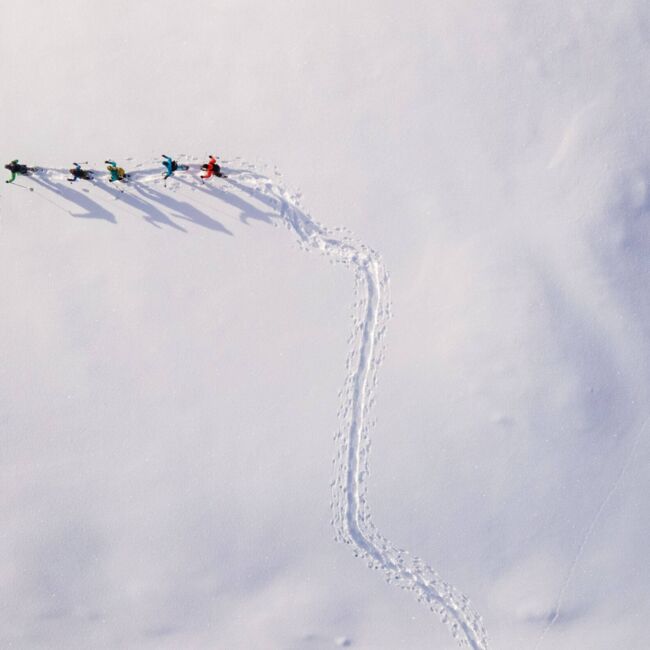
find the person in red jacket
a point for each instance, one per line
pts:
(212, 168)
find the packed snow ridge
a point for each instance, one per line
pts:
(351, 513)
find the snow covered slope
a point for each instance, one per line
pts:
(171, 361)
(163, 204)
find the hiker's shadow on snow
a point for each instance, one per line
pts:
(149, 212)
(181, 209)
(246, 210)
(91, 209)
(256, 194)
(157, 208)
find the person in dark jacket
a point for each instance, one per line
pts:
(78, 173)
(17, 169)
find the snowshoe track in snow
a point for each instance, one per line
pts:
(352, 521)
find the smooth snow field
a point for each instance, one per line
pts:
(241, 415)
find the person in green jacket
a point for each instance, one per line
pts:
(117, 173)
(17, 169)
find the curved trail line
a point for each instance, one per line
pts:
(351, 513)
(352, 520)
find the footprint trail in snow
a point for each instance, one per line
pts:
(352, 520)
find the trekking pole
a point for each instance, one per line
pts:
(24, 187)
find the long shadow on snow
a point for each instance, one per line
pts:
(246, 210)
(151, 215)
(92, 210)
(257, 195)
(183, 210)
(154, 215)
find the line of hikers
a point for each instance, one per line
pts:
(211, 168)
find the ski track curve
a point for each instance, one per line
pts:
(351, 519)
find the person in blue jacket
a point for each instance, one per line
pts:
(171, 166)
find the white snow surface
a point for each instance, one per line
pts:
(172, 363)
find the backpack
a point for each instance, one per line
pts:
(174, 165)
